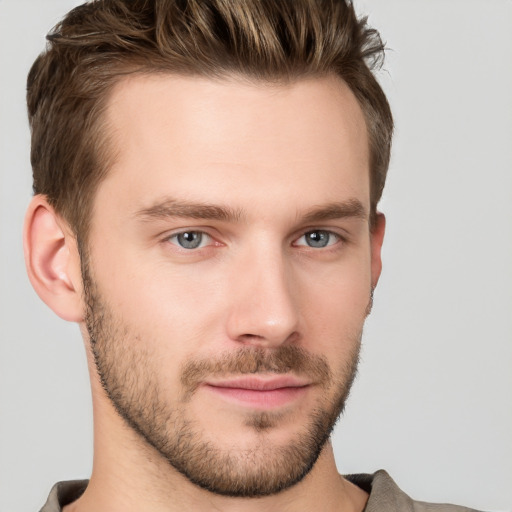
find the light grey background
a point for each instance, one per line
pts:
(432, 403)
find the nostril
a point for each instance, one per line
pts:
(269, 340)
(250, 337)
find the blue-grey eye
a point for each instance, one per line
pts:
(318, 239)
(189, 239)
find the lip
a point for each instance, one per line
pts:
(260, 392)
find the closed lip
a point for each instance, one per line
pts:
(260, 383)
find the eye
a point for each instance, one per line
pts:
(190, 239)
(318, 239)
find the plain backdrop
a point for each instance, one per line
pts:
(433, 400)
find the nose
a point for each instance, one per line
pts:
(263, 310)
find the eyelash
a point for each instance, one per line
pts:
(202, 234)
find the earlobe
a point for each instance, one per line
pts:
(377, 238)
(52, 260)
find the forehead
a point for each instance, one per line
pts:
(218, 140)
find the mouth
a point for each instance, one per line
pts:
(259, 392)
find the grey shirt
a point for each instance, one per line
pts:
(385, 496)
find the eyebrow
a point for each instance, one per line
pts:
(168, 208)
(338, 210)
(185, 209)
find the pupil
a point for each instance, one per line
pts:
(190, 239)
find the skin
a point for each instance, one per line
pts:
(272, 154)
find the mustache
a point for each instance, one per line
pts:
(253, 360)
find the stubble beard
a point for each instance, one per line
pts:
(130, 381)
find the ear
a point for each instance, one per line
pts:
(377, 238)
(52, 260)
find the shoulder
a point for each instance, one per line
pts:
(386, 496)
(64, 493)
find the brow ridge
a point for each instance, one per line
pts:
(336, 210)
(169, 208)
(192, 210)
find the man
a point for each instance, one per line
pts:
(207, 177)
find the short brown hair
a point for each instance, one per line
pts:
(101, 41)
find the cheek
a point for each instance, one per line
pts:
(180, 308)
(334, 303)
(144, 283)
(164, 312)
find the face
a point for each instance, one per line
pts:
(229, 270)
